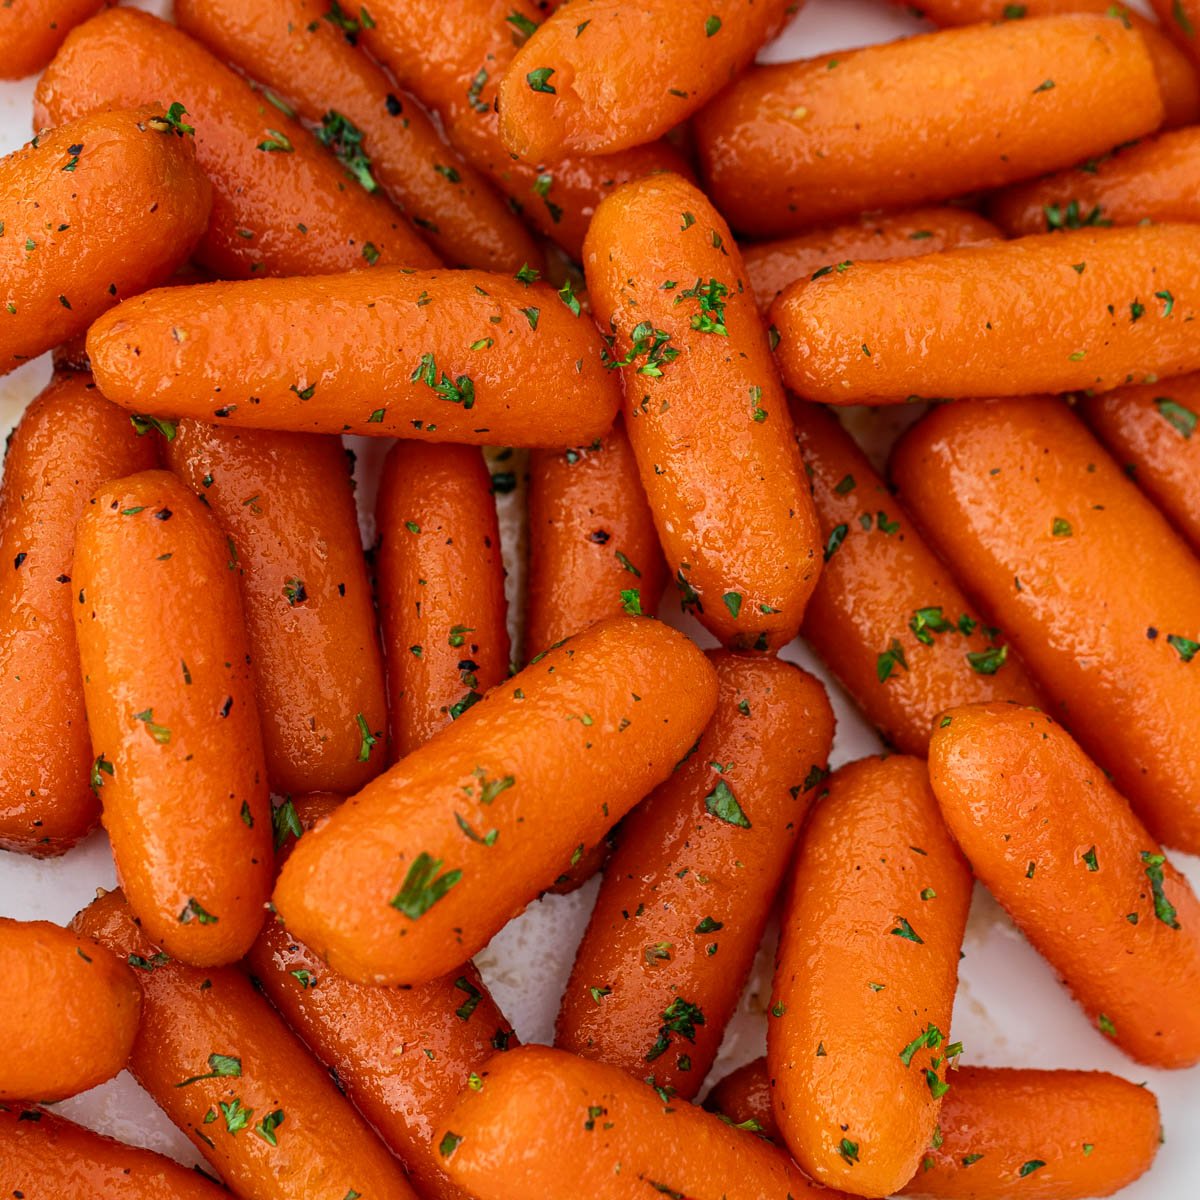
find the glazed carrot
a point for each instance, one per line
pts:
(922, 119)
(564, 1127)
(1154, 180)
(281, 205)
(285, 502)
(1059, 848)
(705, 411)
(1151, 432)
(46, 1157)
(1091, 308)
(1181, 21)
(591, 540)
(100, 209)
(461, 356)
(68, 443)
(771, 266)
(384, 140)
(455, 66)
(413, 875)
(71, 1011)
(865, 978)
(744, 1096)
(630, 74)
(1100, 598)
(226, 1070)
(887, 617)
(440, 586)
(170, 704)
(402, 1054)
(30, 32)
(686, 895)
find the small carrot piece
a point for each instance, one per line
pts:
(705, 411)
(440, 587)
(1099, 596)
(1059, 848)
(33, 30)
(593, 551)
(794, 144)
(383, 140)
(1180, 19)
(1122, 300)
(564, 1127)
(865, 978)
(744, 1098)
(460, 356)
(71, 1011)
(281, 204)
(413, 875)
(68, 443)
(170, 703)
(686, 895)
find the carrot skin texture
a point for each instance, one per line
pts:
(31, 32)
(1151, 431)
(791, 145)
(292, 49)
(1045, 528)
(46, 1157)
(698, 865)
(548, 1124)
(68, 443)
(71, 1010)
(848, 338)
(285, 501)
(588, 518)
(184, 791)
(405, 881)
(705, 411)
(772, 266)
(288, 1133)
(383, 353)
(300, 210)
(620, 81)
(863, 1112)
(72, 203)
(440, 587)
(882, 587)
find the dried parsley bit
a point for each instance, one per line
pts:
(449, 1143)
(848, 1150)
(1068, 216)
(267, 1126)
(905, 930)
(651, 342)
(1164, 910)
(193, 911)
(100, 765)
(525, 28)
(143, 424)
(148, 964)
(350, 28)
(276, 143)
(711, 297)
(539, 80)
(368, 740)
(285, 822)
(889, 660)
(681, 1018)
(160, 733)
(344, 138)
(1183, 646)
(423, 887)
(172, 121)
(459, 391)
(220, 1066)
(1184, 420)
(723, 805)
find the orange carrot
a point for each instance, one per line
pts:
(33, 30)
(440, 588)
(1057, 845)
(744, 1096)
(170, 705)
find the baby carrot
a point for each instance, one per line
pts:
(1059, 848)
(1154, 180)
(706, 415)
(70, 1010)
(68, 443)
(771, 266)
(74, 202)
(592, 546)
(170, 703)
(744, 1096)
(790, 145)
(226, 1070)
(440, 586)
(564, 1127)
(461, 356)
(1181, 20)
(285, 502)
(1099, 596)
(886, 615)
(629, 74)
(383, 140)
(687, 893)
(413, 875)
(33, 30)
(281, 204)
(865, 978)
(1123, 302)
(46, 1157)
(1151, 432)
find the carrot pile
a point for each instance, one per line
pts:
(594, 254)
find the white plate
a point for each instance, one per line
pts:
(1010, 1009)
